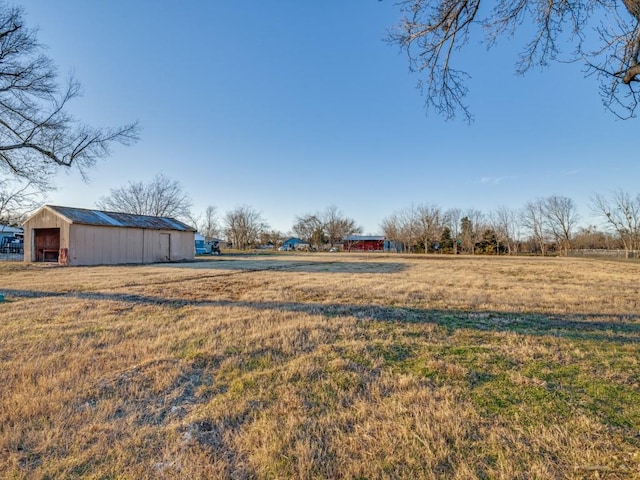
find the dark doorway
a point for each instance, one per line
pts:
(46, 244)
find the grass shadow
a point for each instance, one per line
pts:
(584, 326)
(257, 264)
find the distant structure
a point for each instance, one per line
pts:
(76, 236)
(393, 246)
(11, 244)
(363, 243)
(203, 247)
(11, 232)
(294, 243)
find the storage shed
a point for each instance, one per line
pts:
(76, 236)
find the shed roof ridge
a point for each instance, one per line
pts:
(108, 211)
(88, 216)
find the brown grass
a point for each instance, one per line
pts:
(322, 366)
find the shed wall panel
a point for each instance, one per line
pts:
(95, 245)
(182, 245)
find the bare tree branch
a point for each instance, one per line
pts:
(327, 227)
(18, 198)
(243, 226)
(561, 219)
(161, 197)
(432, 32)
(37, 135)
(621, 214)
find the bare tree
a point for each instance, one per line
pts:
(390, 227)
(473, 226)
(311, 229)
(621, 214)
(409, 230)
(410, 221)
(467, 243)
(271, 237)
(452, 219)
(17, 200)
(337, 225)
(532, 218)
(243, 226)
(561, 218)
(37, 134)
(327, 227)
(161, 197)
(210, 227)
(505, 224)
(432, 32)
(430, 221)
(591, 238)
(415, 227)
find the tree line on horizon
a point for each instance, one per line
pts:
(545, 225)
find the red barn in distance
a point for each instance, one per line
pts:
(363, 243)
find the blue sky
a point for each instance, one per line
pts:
(293, 106)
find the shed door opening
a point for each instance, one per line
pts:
(46, 244)
(165, 246)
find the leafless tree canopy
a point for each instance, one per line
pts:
(243, 226)
(505, 222)
(36, 133)
(472, 228)
(561, 215)
(17, 200)
(452, 221)
(550, 221)
(431, 221)
(310, 229)
(161, 197)
(417, 227)
(621, 213)
(337, 225)
(210, 227)
(433, 31)
(272, 237)
(554, 218)
(327, 227)
(532, 218)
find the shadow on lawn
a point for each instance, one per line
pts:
(583, 326)
(258, 264)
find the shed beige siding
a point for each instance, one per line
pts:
(94, 245)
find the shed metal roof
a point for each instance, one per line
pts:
(362, 238)
(119, 219)
(294, 240)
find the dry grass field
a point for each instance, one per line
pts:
(322, 366)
